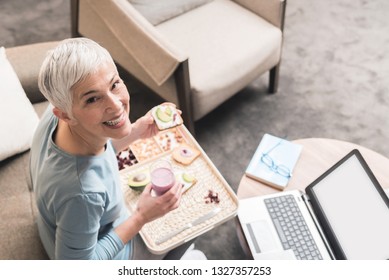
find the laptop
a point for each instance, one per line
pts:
(343, 214)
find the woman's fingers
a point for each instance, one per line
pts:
(171, 199)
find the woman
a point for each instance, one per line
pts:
(73, 158)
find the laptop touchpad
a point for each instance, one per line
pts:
(262, 237)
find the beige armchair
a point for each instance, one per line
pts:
(196, 57)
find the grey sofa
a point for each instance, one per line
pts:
(19, 238)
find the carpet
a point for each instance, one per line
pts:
(334, 83)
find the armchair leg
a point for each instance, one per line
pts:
(181, 76)
(74, 6)
(273, 78)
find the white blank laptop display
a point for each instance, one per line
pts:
(343, 214)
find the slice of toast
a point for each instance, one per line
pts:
(185, 154)
(166, 116)
(186, 179)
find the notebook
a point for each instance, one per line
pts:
(343, 214)
(273, 161)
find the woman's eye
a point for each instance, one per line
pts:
(91, 100)
(116, 84)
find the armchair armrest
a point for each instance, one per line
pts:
(143, 43)
(26, 61)
(271, 10)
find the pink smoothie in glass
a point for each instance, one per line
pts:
(162, 180)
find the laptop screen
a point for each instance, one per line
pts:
(352, 209)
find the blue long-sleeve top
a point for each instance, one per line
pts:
(79, 199)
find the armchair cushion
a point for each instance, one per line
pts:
(223, 57)
(157, 12)
(18, 116)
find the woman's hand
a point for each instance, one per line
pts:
(145, 126)
(150, 208)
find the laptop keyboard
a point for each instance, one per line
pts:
(291, 227)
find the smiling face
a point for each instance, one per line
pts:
(101, 106)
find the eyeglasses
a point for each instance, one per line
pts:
(277, 168)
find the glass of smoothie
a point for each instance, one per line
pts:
(162, 176)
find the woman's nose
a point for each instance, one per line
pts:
(114, 103)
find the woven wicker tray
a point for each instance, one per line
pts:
(194, 203)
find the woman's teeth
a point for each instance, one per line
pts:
(114, 122)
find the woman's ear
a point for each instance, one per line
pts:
(63, 116)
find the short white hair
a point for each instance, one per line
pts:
(66, 65)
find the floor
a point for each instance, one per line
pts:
(334, 84)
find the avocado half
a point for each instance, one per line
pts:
(164, 116)
(139, 181)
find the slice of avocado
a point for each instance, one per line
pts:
(187, 177)
(161, 115)
(168, 111)
(138, 181)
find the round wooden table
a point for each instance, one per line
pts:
(317, 156)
